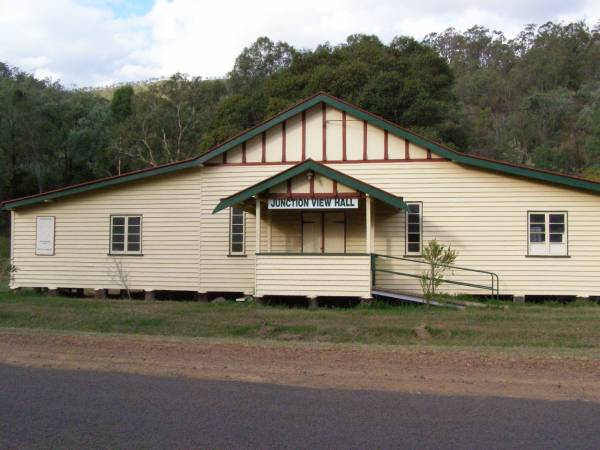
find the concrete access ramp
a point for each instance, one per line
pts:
(409, 298)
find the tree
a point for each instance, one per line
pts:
(119, 151)
(89, 142)
(9, 149)
(405, 81)
(592, 142)
(261, 60)
(523, 97)
(119, 273)
(122, 103)
(41, 126)
(170, 118)
(533, 99)
(7, 271)
(439, 257)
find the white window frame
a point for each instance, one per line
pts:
(231, 233)
(126, 218)
(546, 248)
(406, 232)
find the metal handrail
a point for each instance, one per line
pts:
(495, 287)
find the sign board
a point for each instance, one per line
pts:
(313, 203)
(44, 240)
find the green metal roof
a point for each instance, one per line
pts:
(98, 184)
(310, 165)
(458, 157)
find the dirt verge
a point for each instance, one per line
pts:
(416, 369)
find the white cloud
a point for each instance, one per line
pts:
(78, 44)
(83, 42)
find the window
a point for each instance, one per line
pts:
(547, 233)
(414, 228)
(126, 235)
(237, 225)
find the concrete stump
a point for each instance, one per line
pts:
(149, 295)
(202, 297)
(100, 294)
(313, 302)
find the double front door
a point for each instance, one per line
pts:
(323, 232)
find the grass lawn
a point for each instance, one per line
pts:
(574, 326)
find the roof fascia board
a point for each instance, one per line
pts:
(462, 158)
(527, 173)
(324, 98)
(452, 155)
(261, 128)
(317, 168)
(97, 185)
(455, 156)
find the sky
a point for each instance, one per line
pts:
(101, 42)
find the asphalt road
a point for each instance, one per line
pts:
(56, 409)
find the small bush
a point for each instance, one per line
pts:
(438, 256)
(7, 271)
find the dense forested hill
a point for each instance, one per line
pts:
(534, 99)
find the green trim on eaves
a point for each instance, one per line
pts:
(458, 157)
(452, 155)
(78, 189)
(310, 165)
(280, 118)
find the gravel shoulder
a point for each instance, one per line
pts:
(523, 373)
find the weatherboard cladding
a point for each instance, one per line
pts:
(338, 275)
(306, 110)
(483, 214)
(306, 166)
(170, 236)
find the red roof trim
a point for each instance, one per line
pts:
(594, 185)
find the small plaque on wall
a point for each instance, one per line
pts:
(44, 241)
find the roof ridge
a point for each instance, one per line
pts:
(481, 162)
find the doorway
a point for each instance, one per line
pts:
(323, 232)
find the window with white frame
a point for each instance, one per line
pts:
(414, 228)
(126, 235)
(547, 233)
(237, 225)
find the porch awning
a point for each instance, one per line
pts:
(321, 169)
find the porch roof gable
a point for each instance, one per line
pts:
(321, 169)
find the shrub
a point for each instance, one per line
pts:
(439, 257)
(7, 270)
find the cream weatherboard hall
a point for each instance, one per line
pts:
(322, 200)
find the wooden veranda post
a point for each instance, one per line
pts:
(269, 230)
(257, 224)
(369, 223)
